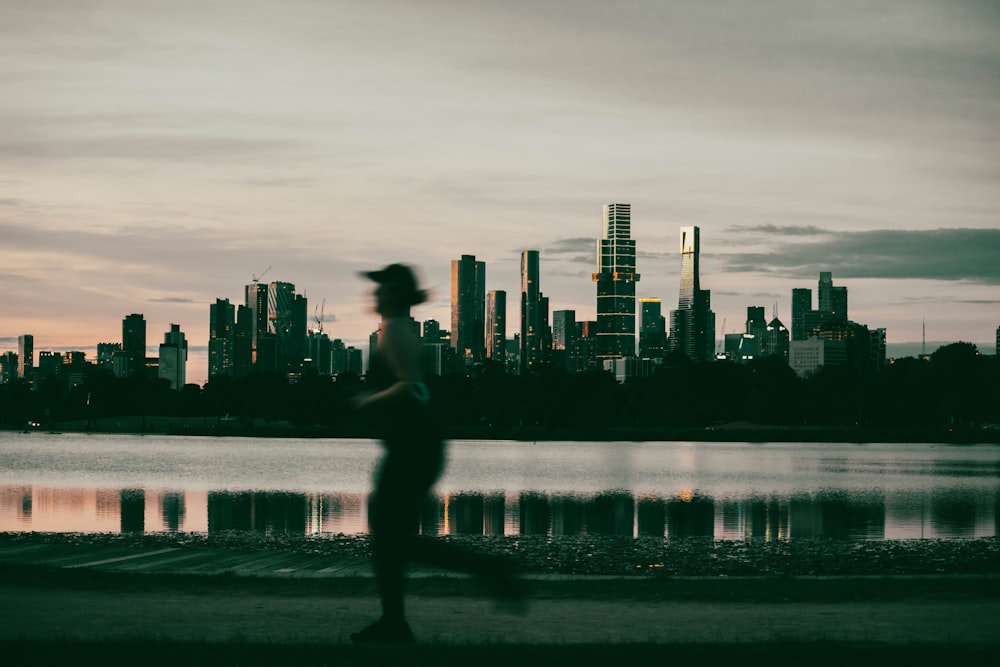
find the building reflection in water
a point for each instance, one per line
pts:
(827, 514)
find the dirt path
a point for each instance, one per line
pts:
(45, 613)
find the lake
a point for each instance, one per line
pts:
(147, 483)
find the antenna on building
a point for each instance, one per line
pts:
(923, 337)
(257, 278)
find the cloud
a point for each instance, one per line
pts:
(937, 254)
(175, 299)
(571, 245)
(783, 230)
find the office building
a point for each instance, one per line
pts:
(49, 364)
(468, 309)
(496, 325)
(8, 367)
(565, 351)
(776, 340)
(25, 355)
(756, 325)
(533, 320)
(692, 325)
(829, 319)
(222, 339)
(277, 323)
(801, 305)
(173, 357)
(134, 345)
(616, 278)
(652, 329)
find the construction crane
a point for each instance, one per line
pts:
(318, 316)
(257, 278)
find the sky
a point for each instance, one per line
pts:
(156, 156)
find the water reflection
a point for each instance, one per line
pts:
(826, 514)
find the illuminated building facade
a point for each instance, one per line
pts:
(468, 309)
(692, 325)
(222, 339)
(616, 278)
(496, 325)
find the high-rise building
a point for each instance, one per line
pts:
(616, 279)
(287, 319)
(832, 299)
(775, 340)
(468, 309)
(222, 339)
(565, 351)
(997, 352)
(49, 363)
(532, 318)
(277, 321)
(652, 329)
(692, 325)
(801, 306)
(496, 325)
(829, 319)
(134, 345)
(173, 357)
(8, 367)
(25, 355)
(243, 346)
(756, 325)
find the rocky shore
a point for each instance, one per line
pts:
(625, 556)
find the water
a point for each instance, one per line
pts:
(129, 483)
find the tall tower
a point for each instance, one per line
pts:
(173, 357)
(468, 308)
(496, 325)
(25, 355)
(222, 339)
(692, 325)
(134, 345)
(532, 320)
(616, 279)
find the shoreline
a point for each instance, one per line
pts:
(728, 432)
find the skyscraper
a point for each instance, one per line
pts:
(134, 345)
(532, 319)
(565, 352)
(25, 355)
(832, 299)
(468, 309)
(801, 305)
(496, 325)
(652, 330)
(173, 357)
(616, 279)
(830, 317)
(222, 339)
(692, 325)
(278, 327)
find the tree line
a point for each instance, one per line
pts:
(954, 388)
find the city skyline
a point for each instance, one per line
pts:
(163, 156)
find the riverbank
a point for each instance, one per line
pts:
(724, 432)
